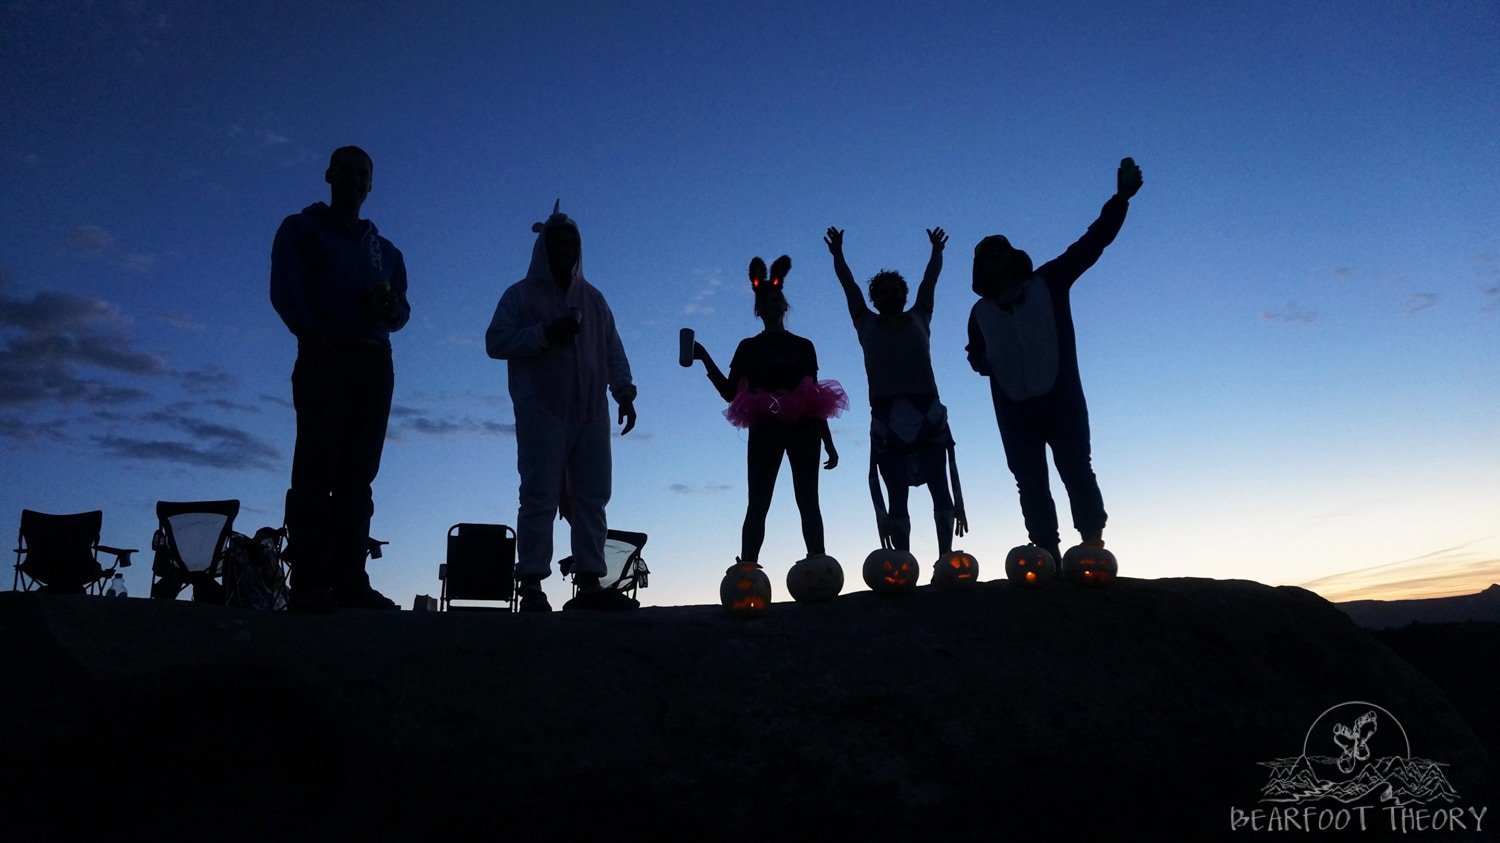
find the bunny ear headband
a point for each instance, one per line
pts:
(779, 268)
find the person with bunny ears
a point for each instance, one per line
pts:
(773, 391)
(557, 335)
(910, 443)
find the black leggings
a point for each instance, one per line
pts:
(768, 441)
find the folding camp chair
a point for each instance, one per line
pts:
(625, 570)
(190, 544)
(481, 566)
(60, 554)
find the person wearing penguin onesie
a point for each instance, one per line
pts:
(557, 335)
(1021, 337)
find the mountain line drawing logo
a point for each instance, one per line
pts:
(1353, 751)
(1356, 772)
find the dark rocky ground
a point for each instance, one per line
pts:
(1064, 713)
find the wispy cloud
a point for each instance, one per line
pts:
(182, 320)
(1445, 572)
(97, 242)
(209, 445)
(1293, 312)
(701, 302)
(48, 339)
(1491, 298)
(427, 422)
(1419, 302)
(267, 141)
(700, 488)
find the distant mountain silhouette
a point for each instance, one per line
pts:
(1391, 780)
(1483, 607)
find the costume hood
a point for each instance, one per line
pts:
(998, 244)
(541, 266)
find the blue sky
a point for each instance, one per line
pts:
(1289, 352)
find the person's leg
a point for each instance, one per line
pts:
(1026, 455)
(762, 462)
(942, 501)
(370, 381)
(804, 442)
(540, 451)
(1069, 438)
(898, 517)
(589, 472)
(316, 398)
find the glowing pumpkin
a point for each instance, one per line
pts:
(956, 570)
(1030, 566)
(815, 579)
(745, 590)
(1089, 565)
(891, 571)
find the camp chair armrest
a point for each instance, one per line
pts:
(120, 553)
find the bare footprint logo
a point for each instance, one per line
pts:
(1356, 772)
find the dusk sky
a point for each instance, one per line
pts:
(1290, 352)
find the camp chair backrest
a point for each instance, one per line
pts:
(59, 549)
(622, 552)
(197, 530)
(481, 562)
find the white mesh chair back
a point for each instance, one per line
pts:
(198, 536)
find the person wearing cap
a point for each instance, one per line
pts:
(1021, 337)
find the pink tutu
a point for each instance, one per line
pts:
(808, 400)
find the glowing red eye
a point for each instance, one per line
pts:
(755, 283)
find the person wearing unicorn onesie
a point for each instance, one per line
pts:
(557, 335)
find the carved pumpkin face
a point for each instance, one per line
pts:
(891, 571)
(745, 590)
(1092, 566)
(956, 570)
(815, 579)
(1029, 566)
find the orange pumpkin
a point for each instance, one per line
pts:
(891, 571)
(955, 571)
(1030, 566)
(1092, 566)
(815, 579)
(745, 590)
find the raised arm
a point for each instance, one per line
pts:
(927, 290)
(1086, 251)
(856, 300)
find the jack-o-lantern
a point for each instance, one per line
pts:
(891, 571)
(1030, 566)
(745, 590)
(1089, 565)
(815, 579)
(956, 570)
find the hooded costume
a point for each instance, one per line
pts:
(562, 415)
(1028, 349)
(324, 271)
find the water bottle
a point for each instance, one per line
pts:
(116, 586)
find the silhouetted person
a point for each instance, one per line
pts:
(341, 289)
(557, 335)
(910, 443)
(1021, 338)
(773, 390)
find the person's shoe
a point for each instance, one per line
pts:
(533, 598)
(365, 598)
(312, 601)
(602, 600)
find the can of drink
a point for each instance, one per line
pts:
(685, 348)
